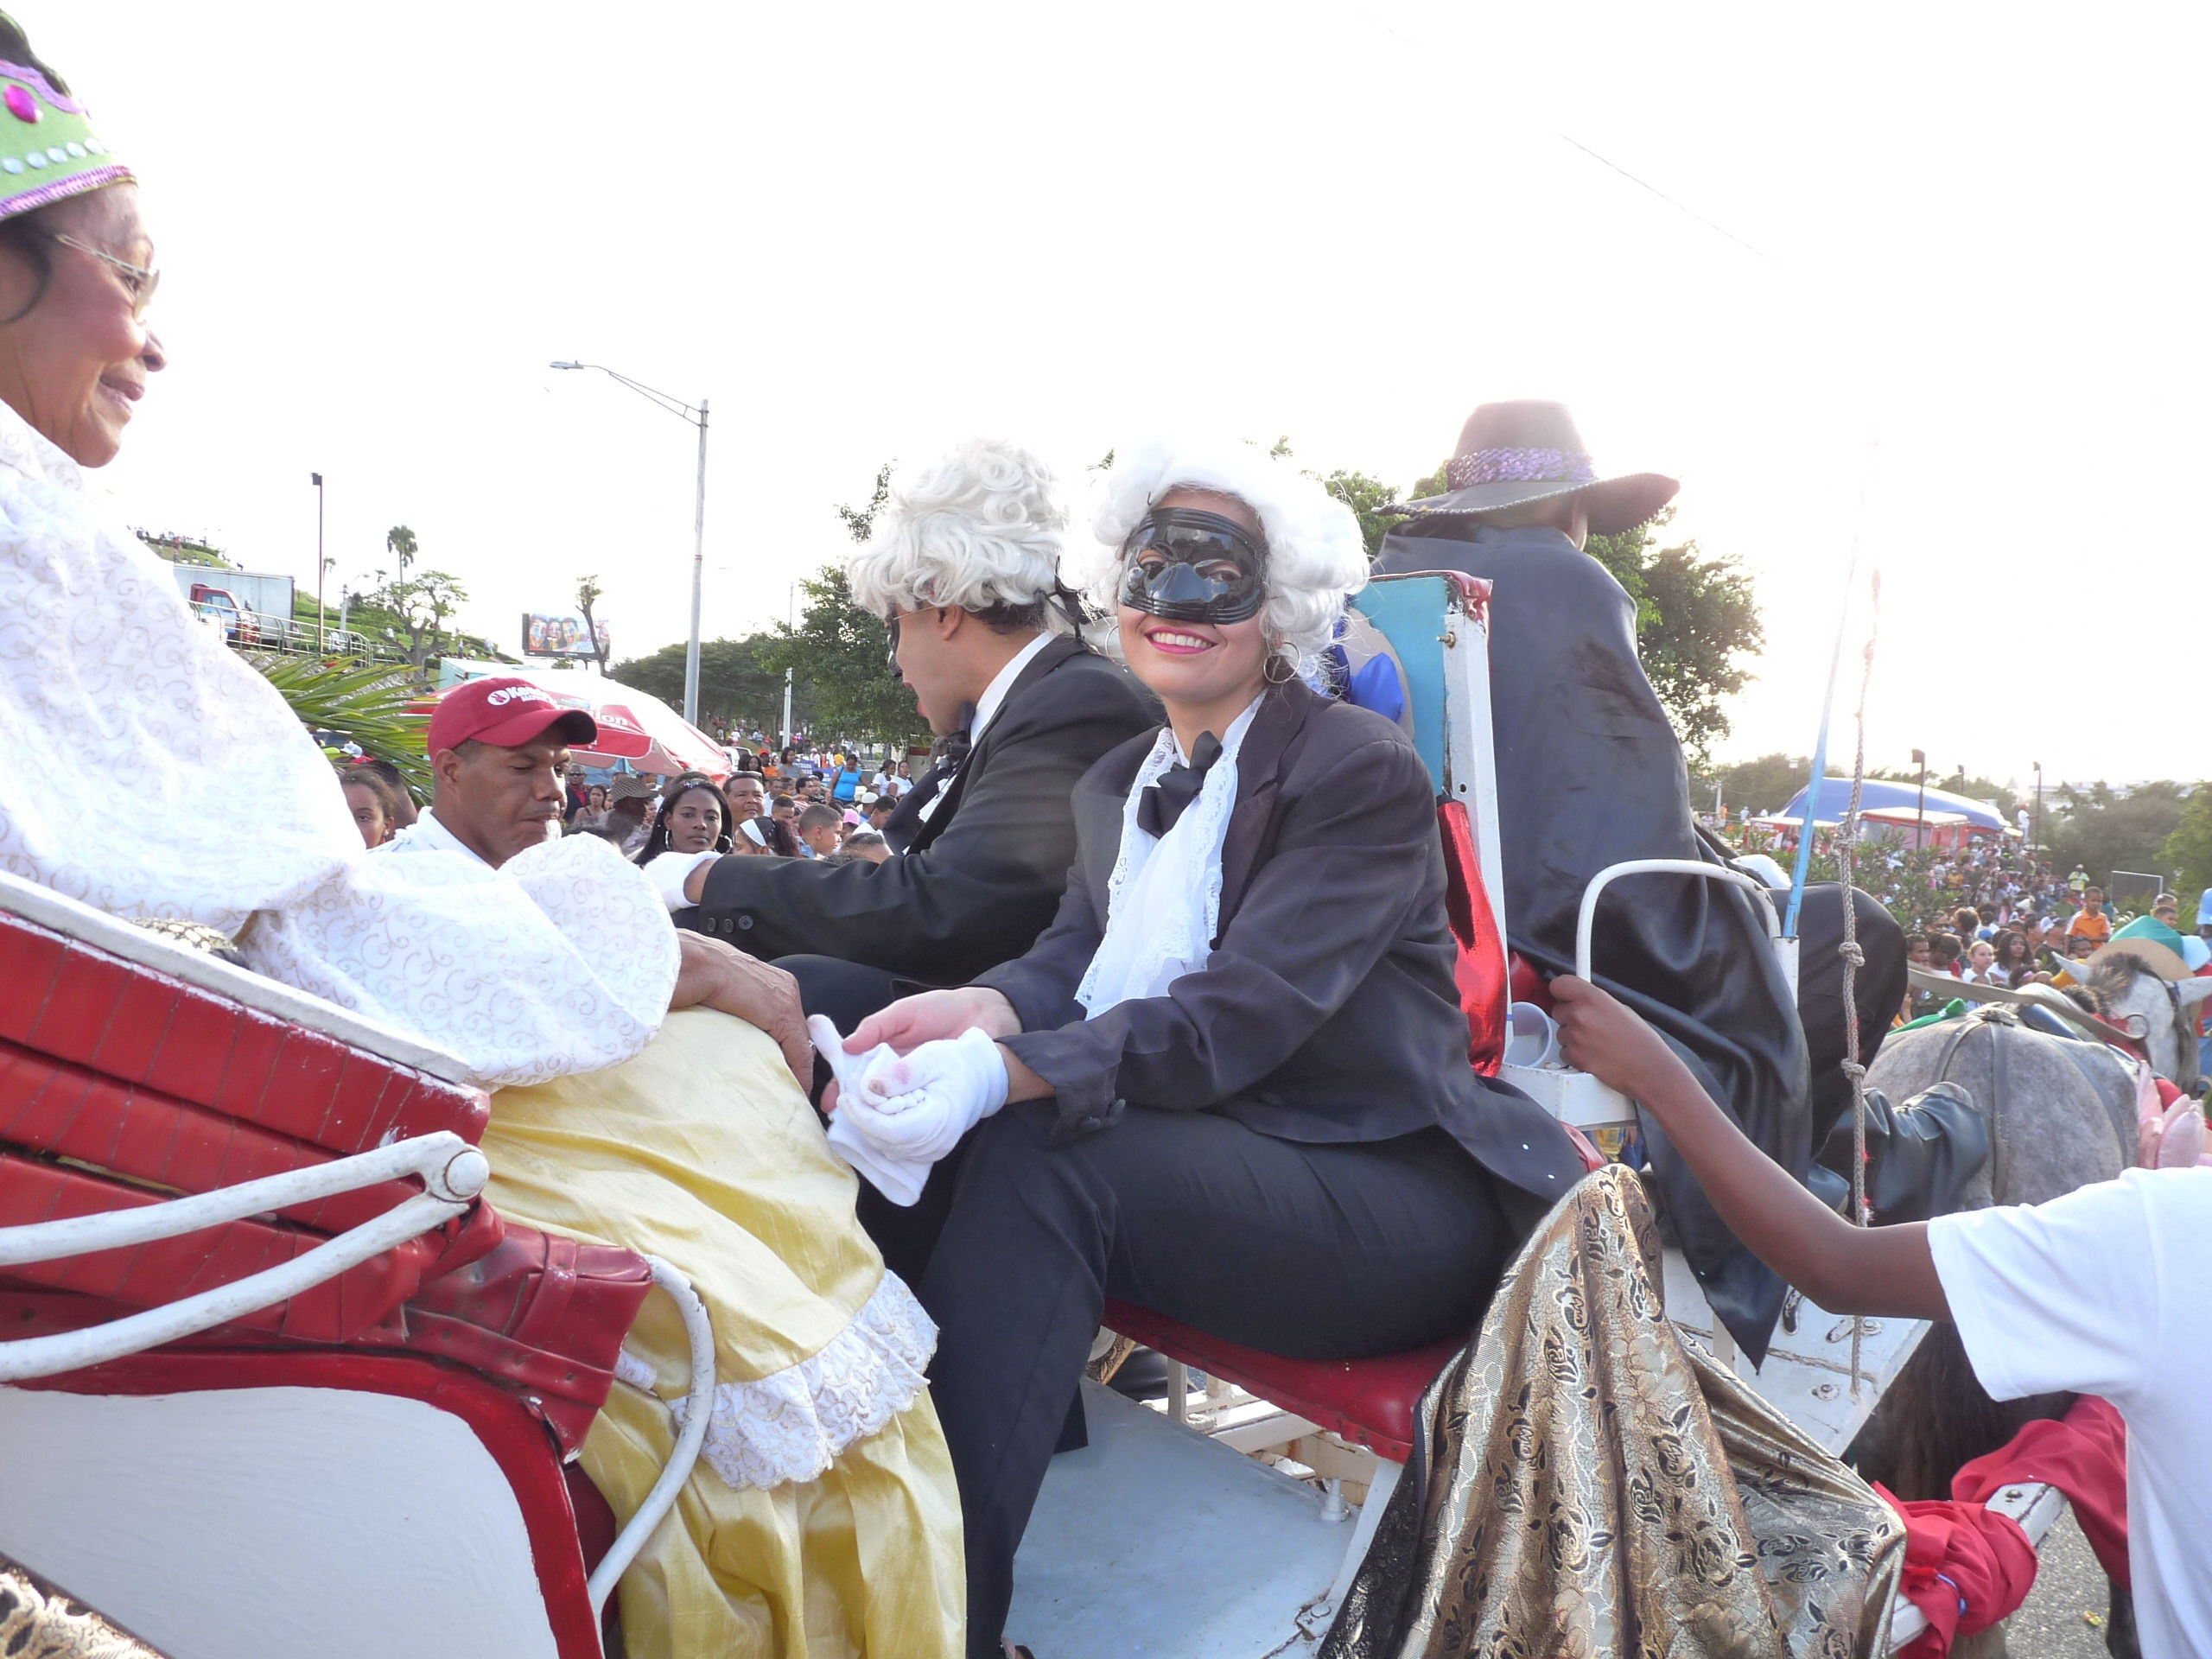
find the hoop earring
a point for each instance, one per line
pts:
(1289, 670)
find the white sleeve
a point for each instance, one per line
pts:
(2063, 1296)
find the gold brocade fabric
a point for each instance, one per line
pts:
(701, 1150)
(39, 1622)
(1594, 1486)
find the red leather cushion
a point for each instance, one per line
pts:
(169, 1269)
(70, 1111)
(1371, 1402)
(77, 1004)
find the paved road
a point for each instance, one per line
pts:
(2069, 1583)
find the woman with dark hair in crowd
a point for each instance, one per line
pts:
(592, 815)
(692, 820)
(2016, 963)
(372, 801)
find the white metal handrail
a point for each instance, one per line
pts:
(453, 1174)
(682, 1460)
(1584, 922)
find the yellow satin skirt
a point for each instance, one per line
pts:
(821, 1520)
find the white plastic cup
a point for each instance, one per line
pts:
(1531, 1036)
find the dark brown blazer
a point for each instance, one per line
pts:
(973, 885)
(1327, 1011)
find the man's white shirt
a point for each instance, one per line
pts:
(2102, 1292)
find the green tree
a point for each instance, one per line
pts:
(589, 594)
(420, 605)
(735, 681)
(2103, 831)
(2188, 849)
(1697, 627)
(1366, 496)
(399, 541)
(844, 653)
(1764, 784)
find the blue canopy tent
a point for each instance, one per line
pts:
(1891, 799)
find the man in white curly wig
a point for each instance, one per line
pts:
(965, 569)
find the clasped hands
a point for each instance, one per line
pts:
(914, 1079)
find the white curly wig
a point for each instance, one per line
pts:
(1316, 559)
(980, 529)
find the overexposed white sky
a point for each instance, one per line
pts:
(1972, 295)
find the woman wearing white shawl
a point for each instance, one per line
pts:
(821, 1520)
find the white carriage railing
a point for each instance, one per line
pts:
(453, 1174)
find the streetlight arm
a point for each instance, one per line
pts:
(673, 404)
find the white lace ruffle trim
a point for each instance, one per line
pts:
(792, 1425)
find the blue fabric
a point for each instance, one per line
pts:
(848, 786)
(1374, 685)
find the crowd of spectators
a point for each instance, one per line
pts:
(1990, 912)
(814, 805)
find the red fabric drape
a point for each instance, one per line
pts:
(1967, 1567)
(2084, 1455)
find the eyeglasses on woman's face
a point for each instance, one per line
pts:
(138, 281)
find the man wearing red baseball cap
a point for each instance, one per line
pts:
(499, 749)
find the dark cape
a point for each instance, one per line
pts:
(1590, 774)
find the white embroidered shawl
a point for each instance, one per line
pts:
(147, 770)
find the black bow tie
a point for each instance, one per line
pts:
(1161, 805)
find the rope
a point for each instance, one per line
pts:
(1854, 958)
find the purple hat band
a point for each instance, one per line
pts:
(1520, 467)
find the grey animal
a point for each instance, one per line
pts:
(2061, 1115)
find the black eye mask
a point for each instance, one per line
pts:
(1191, 566)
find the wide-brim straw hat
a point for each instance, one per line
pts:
(1512, 453)
(2162, 960)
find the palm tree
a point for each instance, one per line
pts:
(400, 541)
(370, 707)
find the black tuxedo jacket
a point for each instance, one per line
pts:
(1327, 1010)
(980, 880)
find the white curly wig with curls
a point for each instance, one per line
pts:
(1316, 559)
(980, 531)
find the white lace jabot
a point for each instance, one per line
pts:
(1163, 902)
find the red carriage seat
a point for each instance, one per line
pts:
(134, 1070)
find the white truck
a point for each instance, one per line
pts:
(249, 609)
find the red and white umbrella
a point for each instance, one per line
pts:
(633, 726)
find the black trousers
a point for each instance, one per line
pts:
(1318, 1252)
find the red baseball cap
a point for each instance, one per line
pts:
(505, 713)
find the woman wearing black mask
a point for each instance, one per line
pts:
(1232, 1081)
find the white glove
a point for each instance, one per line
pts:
(917, 1105)
(670, 871)
(898, 1179)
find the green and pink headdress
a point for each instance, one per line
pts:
(47, 147)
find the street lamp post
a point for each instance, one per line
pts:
(2035, 819)
(316, 479)
(1920, 813)
(697, 416)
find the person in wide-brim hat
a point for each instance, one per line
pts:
(1514, 454)
(1589, 773)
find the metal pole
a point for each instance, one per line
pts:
(2035, 821)
(317, 477)
(1920, 812)
(787, 708)
(698, 565)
